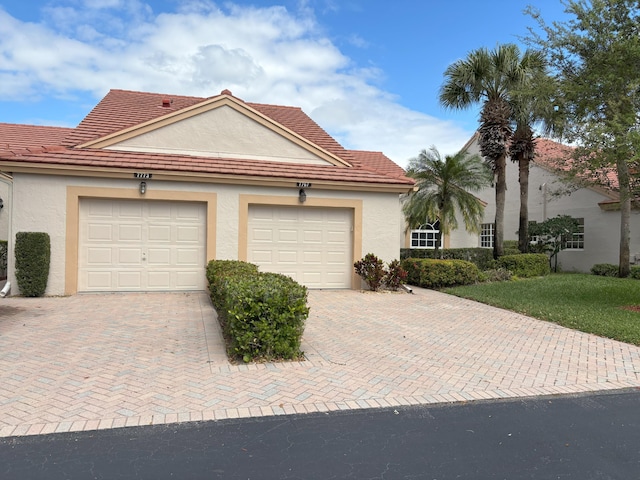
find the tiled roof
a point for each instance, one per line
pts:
(376, 162)
(122, 109)
(19, 137)
(556, 156)
(216, 166)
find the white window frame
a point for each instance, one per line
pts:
(576, 242)
(424, 237)
(487, 231)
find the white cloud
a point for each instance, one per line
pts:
(267, 55)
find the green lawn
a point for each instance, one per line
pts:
(583, 302)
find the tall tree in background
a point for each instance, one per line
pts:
(531, 106)
(492, 77)
(443, 187)
(595, 57)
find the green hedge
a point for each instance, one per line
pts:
(526, 264)
(510, 247)
(33, 255)
(605, 269)
(635, 272)
(3, 257)
(262, 314)
(220, 271)
(481, 257)
(434, 273)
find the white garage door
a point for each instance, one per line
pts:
(311, 245)
(136, 245)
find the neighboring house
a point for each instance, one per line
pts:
(5, 183)
(597, 210)
(149, 187)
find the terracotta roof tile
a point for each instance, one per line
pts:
(221, 166)
(19, 137)
(121, 109)
(377, 162)
(557, 156)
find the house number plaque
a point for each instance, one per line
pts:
(304, 185)
(142, 175)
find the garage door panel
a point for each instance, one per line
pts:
(263, 257)
(129, 280)
(188, 257)
(141, 245)
(158, 211)
(310, 257)
(188, 234)
(98, 232)
(312, 236)
(284, 216)
(158, 279)
(159, 256)
(129, 210)
(129, 233)
(287, 257)
(187, 281)
(262, 235)
(100, 280)
(336, 258)
(306, 243)
(159, 233)
(129, 256)
(99, 256)
(287, 236)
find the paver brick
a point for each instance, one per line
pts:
(140, 359)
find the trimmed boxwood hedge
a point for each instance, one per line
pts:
(262, 315)
(220, 271)
(33, 255)
(481, 257)
(3, 257)
(433, 273)
(525, 264)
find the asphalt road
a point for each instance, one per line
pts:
(577, 437)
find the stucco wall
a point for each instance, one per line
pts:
(4, 212)
(221, 132)
(41, 206)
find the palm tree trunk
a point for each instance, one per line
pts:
(523, 223)
(501, 191)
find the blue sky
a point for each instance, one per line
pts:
(368, 71)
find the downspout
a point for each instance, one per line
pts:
(8, 180)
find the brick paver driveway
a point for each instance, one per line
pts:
(104, 361)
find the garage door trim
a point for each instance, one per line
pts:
(74, 194)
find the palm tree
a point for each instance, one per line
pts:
(532, 105)
(491, 77)
(443, 188)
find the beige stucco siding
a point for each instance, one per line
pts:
(45, 202)
(4, 212)
(222, 132)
